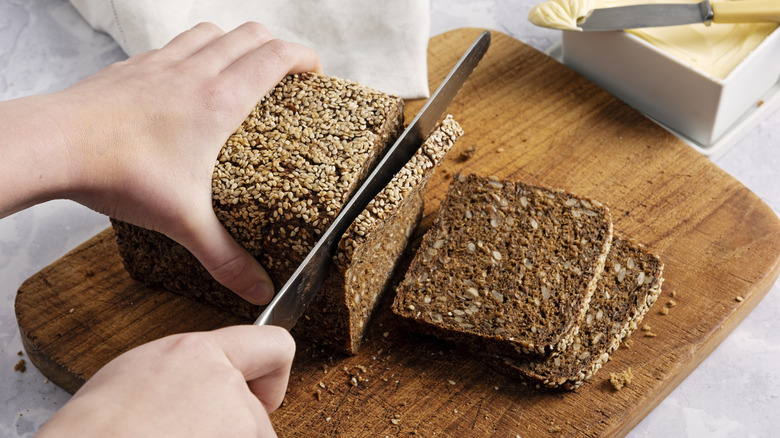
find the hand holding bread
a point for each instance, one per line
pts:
(139, 139)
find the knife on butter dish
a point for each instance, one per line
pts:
(295, 295)
(674, 14)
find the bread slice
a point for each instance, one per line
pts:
(629, 286)
(280, 180)
(506, 267)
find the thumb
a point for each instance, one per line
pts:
(264, 355)
(227, 261)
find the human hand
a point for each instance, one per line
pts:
(145, 134)
(219, 383)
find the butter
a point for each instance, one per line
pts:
(716, 49)
(560, 14)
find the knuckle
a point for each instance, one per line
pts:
(216, 97)
(190, 345)
(281, 50)
(208, 27)
(232, 378)
(200, 348)
(256, 30)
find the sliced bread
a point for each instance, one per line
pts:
(629, 286)
(506, 268)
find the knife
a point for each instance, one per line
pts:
(656, 15)
(292, 299)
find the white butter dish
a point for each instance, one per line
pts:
(692, 103)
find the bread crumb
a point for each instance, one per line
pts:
(628, 343)
(650, 335)
(673, 294)
(739, 299)
(555, 429)
(646, 328)
(671, 303)
(468, 153)
(20, 366)
(664, 311)
(621, 379)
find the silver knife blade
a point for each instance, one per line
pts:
(297, 293)
(651, 15)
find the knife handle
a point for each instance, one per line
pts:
(746, 11)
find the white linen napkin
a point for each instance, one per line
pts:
(381, 44)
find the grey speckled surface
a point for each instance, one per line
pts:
(45, 46)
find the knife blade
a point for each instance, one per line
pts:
(300, 289)
(674, 14)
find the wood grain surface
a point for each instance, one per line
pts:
(528, 118)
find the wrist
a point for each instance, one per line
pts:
(37, 164)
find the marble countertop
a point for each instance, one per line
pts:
(45, 46)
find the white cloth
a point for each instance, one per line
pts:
(382, 44)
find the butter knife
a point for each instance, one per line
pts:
(673, 14)
(300, 289)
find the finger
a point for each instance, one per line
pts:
(225, 50)
(264, 355)
(264, 67)
(227, 261)
(191, 41)
(264, 427)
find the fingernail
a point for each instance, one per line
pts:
(261, 293)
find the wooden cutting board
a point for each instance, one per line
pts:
(526, 117)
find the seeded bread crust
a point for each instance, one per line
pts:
(279, 181)
(506, 267)
(629, 286)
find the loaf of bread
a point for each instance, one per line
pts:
(281, 179)
(627, 289)
(506, 268)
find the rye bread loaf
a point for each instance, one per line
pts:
(281, 179)
(628, 287)
(506, 267)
